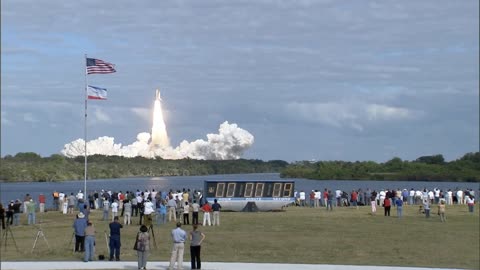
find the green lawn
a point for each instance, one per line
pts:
(297, 235)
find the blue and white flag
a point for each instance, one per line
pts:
(94, 92)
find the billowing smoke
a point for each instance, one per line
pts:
(230, 143)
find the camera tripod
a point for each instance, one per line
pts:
(5, 234)
(39, 233)
(150, 228)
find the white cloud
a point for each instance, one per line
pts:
(347, 114)
(4, 118)
(101, 116)
(28, 117)
(143, 113)
(334, 114)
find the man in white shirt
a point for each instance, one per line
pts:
(114, 207)
(61, 200)
(302, 198)
(411, 196)
(318, 197)
(147, 212)
(338, 197)
(459, 196)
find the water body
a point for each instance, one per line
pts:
(12, 191)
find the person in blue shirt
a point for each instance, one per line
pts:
(178, 236)
(399, 204)
(216, 212)
(79, 226)
(115, 244)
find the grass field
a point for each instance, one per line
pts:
(297, 235)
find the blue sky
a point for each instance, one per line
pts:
(324, 80)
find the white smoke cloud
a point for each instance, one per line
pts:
(230, 143)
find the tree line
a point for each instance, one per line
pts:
(425, 168)
(32, 167)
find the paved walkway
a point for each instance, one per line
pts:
(63, 265)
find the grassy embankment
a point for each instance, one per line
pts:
(297, 235)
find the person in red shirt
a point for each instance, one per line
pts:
(354, 198)
(41, 202)
(325, 197)
(386, 205)
(206, 208)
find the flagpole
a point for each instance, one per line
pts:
(85, 134)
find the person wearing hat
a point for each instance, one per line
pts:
(16, 212)
(178, 236)
(10, 213)
(142, 246)
(79, 226)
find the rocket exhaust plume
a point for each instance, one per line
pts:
(229, 143)
(159, 130)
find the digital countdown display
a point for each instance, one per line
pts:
(257, 189)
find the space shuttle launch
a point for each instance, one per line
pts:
(159, 130)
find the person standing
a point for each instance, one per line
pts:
(16, 212)
(330, 201)
(106, 209)
(31, 207)
(26, 201)
(373, 202)
(148, 213)
(196, 239)
(10, 213)
(172, 205)
(206, 208)
(470, 200)
(441, 211)
(143, 247)
(2, 216)
(195, 208)
(55, 196)
(115, 243)
(178, 236)
(41, 202)
(161, 212)
(114, 207)
(399, 204)
(89, 242)
(216, 212)
(71, 201)
(79, 226)
(426, 207)
(186, 213)
(387, 205)
(127, 211)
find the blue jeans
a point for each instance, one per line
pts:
(31, 218)
(89, 248)
(399, 211)
(105, 215)
(330, 205)
(80, 206)
(16, 219)
(161, 218)
(115, 246)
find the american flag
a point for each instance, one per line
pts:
(97, 66)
